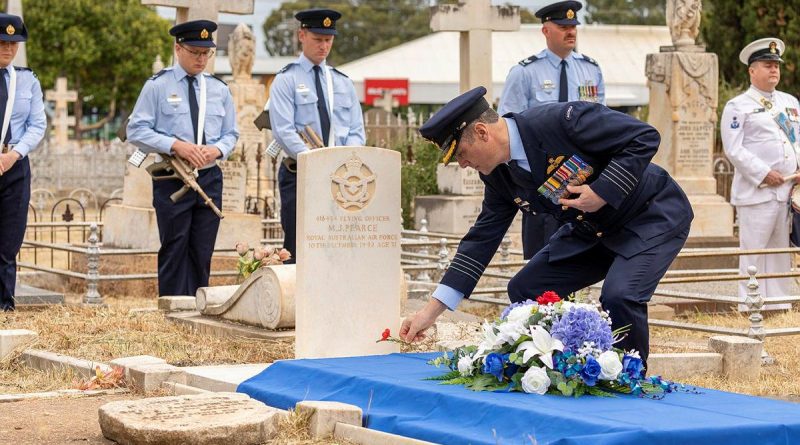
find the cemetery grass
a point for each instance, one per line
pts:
(104, 334)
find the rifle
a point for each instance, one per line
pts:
(173, 167)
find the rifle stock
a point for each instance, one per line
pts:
(173, 167)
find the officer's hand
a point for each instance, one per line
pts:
(773, 179)
(7, 160)
(587, 201)
(211, 153)
(190, 152)
(413, 328)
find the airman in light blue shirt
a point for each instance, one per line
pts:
(162, 114)
(28, 121)
(293, 105)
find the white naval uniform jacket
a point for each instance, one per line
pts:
(755, 144)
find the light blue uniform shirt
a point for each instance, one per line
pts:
(446, 294)
(534, 82)
(161, 115)
(293, 105)
(28, 122)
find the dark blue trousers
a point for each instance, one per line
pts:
(188, 231)
(629, 283)
(536, 232)
(287, 185)
(15, 194)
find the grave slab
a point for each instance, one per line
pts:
(11, 339)
(137, 360)
(46, 360)
(222, 378)
(149, 377)
(25, 295)
(741, 356)
(201, 419)
(214, 326)
(177, 303)
(323, 416)
(684, 364)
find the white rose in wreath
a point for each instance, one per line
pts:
(535, 381)
(610, 365)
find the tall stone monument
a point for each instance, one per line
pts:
(61, 120)
(683, 83)
(249, 95)
(348, 251)
(475, 20)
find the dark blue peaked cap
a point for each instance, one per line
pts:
(12, 29)
(320, 21)
(444, 128)
(195, 33)
(562, 13)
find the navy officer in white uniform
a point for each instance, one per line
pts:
(309, 92)
(624, 218)
(23, 126)
(556, 74)
(760, 130)
(185, 112)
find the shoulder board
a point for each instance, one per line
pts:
(158, 74)
(343, 74)
(215, 77)
(25, 68)
(286, 67)
(590, 60)
(528, 61)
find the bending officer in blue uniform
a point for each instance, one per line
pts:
(556, 74)
(625, 219)
(172, 108)
(23, 125)
(309, 92)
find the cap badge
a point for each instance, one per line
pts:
(327, 22)
(772, 46)
(570, 14)
(204, 34)
(10, 30)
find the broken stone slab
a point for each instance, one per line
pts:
(367, 436)
(12, 339)
(323, 416)
(149, 377)
(127, 362)
(177, 303)
(684, 365)
(200, 419)
(741, 356)
(265, 299)
(46, 360)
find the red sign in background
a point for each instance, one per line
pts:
(374, 88)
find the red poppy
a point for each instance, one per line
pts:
(548, 297)
(385, 335)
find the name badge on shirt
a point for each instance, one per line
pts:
(548, 85)
(174, 100)
(303, 89)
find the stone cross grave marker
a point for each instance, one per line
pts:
(187, 10)
(62, 120)
(348, 251)
(475, 20)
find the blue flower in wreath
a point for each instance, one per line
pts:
(632, 366)
(493, 364)
(591, 370)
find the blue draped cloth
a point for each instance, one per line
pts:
(394, 398)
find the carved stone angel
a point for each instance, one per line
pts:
(683, 20)
(241, 51)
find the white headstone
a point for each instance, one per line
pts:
(62, 120)
(348, 251)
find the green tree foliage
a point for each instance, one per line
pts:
(730, 25)
(627, 12)
(105, 48)
(418, 174)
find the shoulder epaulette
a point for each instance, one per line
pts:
(343, 74)
(528, 61)
(215, 77)
(158, 74)
(590, 60)
(25, 68)
(286, 67)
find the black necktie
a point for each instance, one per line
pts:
(194, 109)
(4, 102)
(322, 107)
(563, 84)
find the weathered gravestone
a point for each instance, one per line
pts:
(213, 418)
(348, 251)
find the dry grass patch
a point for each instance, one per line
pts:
(293, 430)
(18, 378)
(103, 334)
